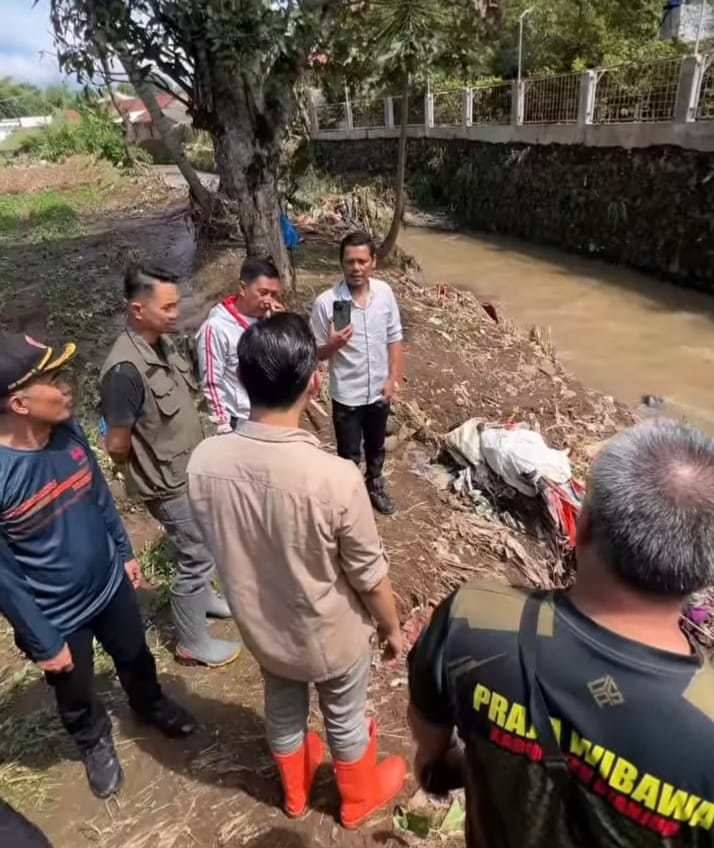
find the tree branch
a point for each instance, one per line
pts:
(324, 5)
(165, 128)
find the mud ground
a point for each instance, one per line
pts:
(219, 788)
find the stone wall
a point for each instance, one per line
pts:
(650, 208)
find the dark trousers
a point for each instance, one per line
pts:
(17, 832)
(120, 631)
(357, 424)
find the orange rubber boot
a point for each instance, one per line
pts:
(366, 785)
(297, 771)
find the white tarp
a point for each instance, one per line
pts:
(520, 457)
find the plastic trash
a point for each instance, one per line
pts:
(464, 443)
(291, 236)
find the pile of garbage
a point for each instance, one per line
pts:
(510, 474)
(362, 209)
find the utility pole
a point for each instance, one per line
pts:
(700, 25)
(521, 20)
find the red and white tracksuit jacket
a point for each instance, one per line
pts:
(217, 352)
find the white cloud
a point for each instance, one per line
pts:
(26, 45)
(25, 67)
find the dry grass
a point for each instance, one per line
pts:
(26, 178)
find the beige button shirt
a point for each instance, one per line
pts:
(295, 542)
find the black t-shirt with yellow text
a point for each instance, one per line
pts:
(636, 724)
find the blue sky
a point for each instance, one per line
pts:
(24, 33)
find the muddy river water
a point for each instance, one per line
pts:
(622, 333)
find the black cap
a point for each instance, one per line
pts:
(22, 359)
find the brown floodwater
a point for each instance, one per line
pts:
(620, 332)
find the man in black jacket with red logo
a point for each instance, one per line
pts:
(587, 717)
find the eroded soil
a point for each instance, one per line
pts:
(220, 788)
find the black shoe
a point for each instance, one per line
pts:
(104, 772)
(379, 497)
(171, 718)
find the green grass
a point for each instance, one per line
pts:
(46, 215)
(157, 560)
(312, 186)
(13, 142)
(74, 307)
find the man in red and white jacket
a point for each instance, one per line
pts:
(218, 337)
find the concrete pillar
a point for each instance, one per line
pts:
(517, 103)
(690, 83)
(467, 107)
(389, 113)
(586, 97)
(429, 109)
(348, 111)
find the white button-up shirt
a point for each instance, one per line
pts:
(359, 370)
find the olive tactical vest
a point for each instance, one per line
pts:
(169, 427)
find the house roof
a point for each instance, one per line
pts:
(175, 111)
(136, 104)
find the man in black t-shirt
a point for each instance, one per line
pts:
(153, 426)
(586, 718)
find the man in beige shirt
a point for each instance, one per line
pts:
(294, 538)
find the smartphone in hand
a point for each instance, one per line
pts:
(342, 314)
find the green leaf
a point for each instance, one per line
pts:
(454, 819)
(416, 823)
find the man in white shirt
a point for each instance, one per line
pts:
(366, 360)
(218, 337)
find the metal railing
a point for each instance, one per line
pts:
(368, 114)
(331, 116)
(660, 91)
(492, 104)
(448, 107)
(705, 104)
(416, 110)
(551, 100)
(642, 93)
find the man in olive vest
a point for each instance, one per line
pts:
(152, 428)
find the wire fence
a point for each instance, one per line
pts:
(492, 104)
(643, 93)
(449, 108)
(368, 114)
(416, 110)
(551, 100)
(705, 106)
(331, 116)
(646, 92)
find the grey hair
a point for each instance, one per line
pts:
(651, 505)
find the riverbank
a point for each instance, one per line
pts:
(219, 787)
(618, 331)
(647, 208)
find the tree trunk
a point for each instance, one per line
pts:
(390, 242)
(100, 45)
(174, 147)
(247, 143)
